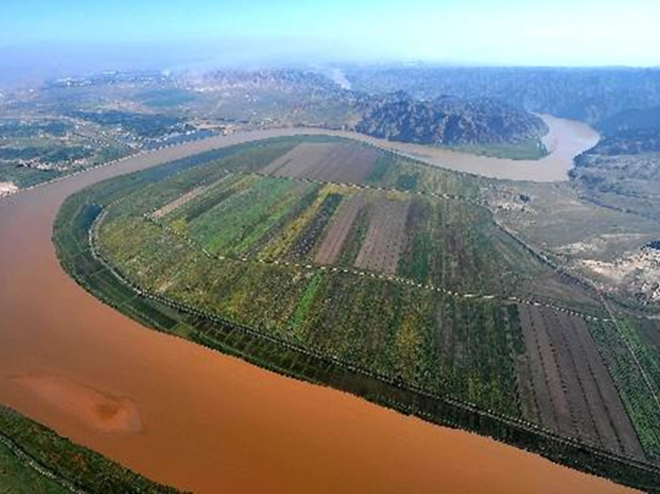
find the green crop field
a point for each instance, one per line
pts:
(344, 265)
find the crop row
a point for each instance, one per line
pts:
(439, 343)
(631, 385)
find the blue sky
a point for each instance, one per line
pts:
(518, 32)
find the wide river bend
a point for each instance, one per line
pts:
(202, 421)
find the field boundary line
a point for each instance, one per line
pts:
(370, 274)
(368, 187)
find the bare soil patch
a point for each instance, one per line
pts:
(328, 162)
(386, 237)
(178, 202)
(573, 391)
(331, 246)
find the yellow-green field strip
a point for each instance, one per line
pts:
(391, 278)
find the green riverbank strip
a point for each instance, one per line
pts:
(34, 459)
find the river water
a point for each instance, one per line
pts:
(186, 416)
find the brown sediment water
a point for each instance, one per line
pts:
(193, 418)
(90, 406)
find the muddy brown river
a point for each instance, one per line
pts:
(198, 420)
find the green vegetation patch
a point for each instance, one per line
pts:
(241, 219)
(18, 478)
(396, 172)
(457, 246)
(615, 343)
(70, 464)
(530, 149)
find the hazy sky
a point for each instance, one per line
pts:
(520, 32)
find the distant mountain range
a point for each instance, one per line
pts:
(630, 132)
(444, 120)
(591, 95)
(282, 80)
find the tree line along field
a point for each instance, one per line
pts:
(376, 262)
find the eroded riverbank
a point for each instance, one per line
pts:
(210, 421)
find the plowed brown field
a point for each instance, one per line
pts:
(386, 237)
(328, 162)
(573, 392)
